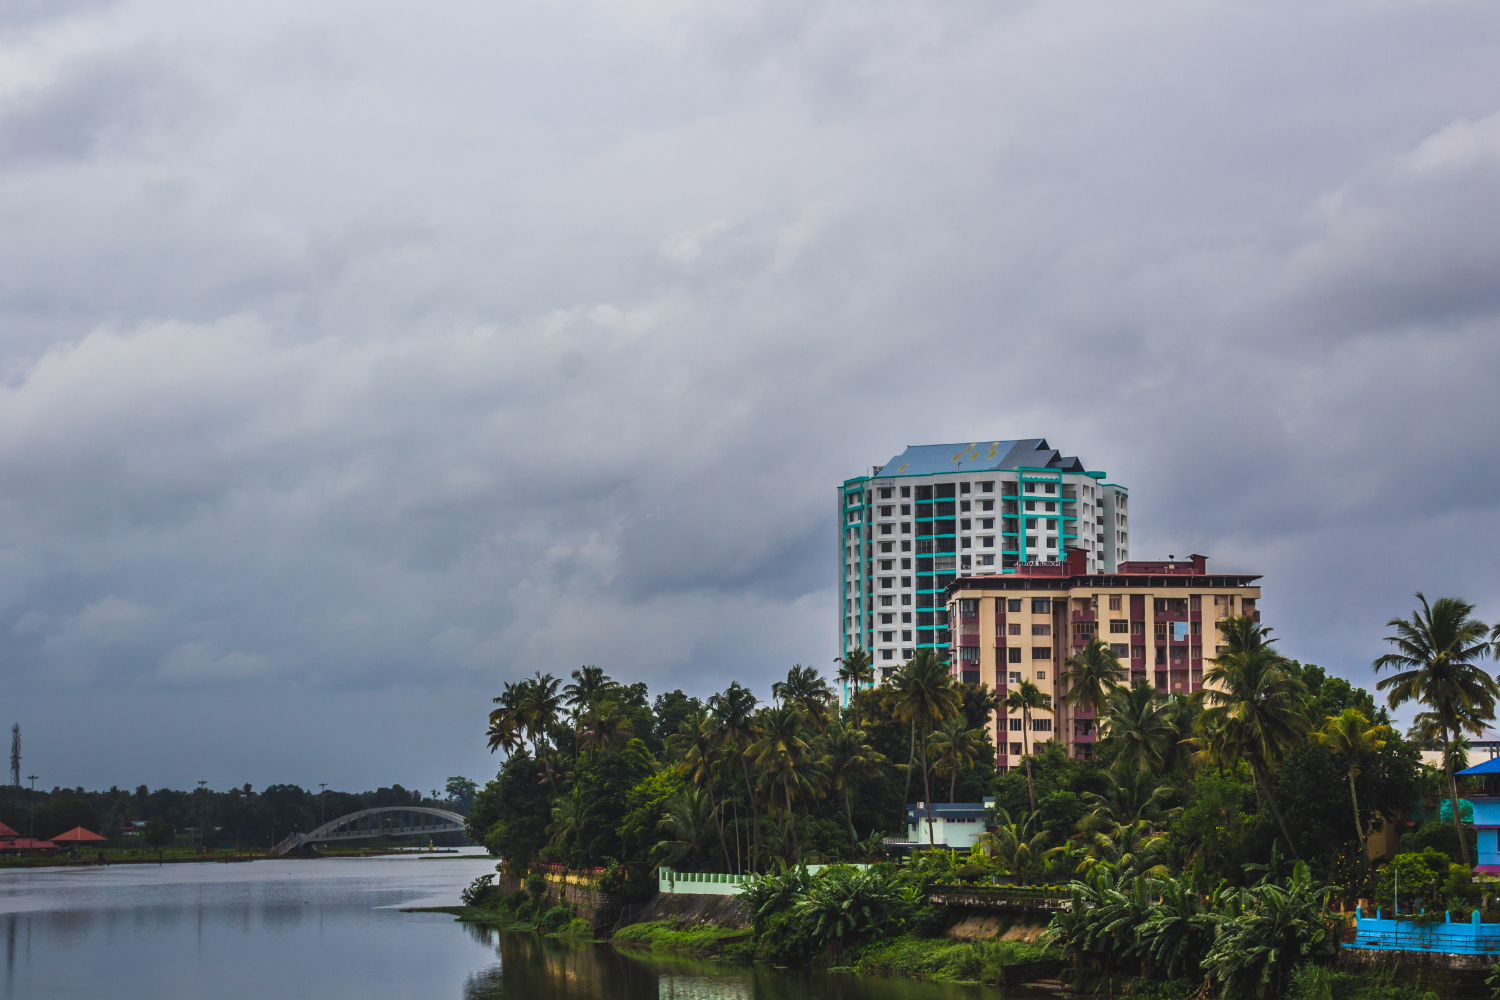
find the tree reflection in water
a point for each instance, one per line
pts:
(533, 967)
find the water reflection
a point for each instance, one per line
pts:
(534, 967)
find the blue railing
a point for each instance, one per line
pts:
(1448, 938)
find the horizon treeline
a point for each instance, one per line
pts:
(237, 815)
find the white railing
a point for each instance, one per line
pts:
(712, 883)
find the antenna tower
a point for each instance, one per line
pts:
(15, 756)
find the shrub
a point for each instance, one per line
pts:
(480, 891)
(1418, 876)
(555, 918)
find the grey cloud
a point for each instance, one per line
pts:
(484, 343)
(114, 100)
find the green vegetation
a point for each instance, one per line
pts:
(659, 935)
(1206, 844)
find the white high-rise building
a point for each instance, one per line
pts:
(939, 511)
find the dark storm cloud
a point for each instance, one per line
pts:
(360, 359)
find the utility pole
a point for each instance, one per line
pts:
(15, 757)
(200, 815)
(32, 778)
(322, 800)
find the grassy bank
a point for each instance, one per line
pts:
(701, 941)
(945, 960)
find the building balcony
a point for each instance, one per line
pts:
(1085, 616)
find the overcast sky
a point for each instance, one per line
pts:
(359, 357)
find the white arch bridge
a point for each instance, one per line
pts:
(385, 821)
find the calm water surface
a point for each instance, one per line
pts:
(332, 929)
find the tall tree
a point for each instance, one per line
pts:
(806, 688)
(1091, 674)
(1257, 709)
(734, 711)
(1436, 659)
(924, 694)
(1136, 719)
(846, 758)
(856, 668)
(589, 683)
(1026, 698)
(781, 755)
(505, 722)
(697, 747)
(955, 748)
(1349, 735)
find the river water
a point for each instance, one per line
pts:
(333, 929)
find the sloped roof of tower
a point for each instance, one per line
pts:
(978, 456)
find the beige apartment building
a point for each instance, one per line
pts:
(1160, 617)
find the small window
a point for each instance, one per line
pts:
(1031, 487)
(886, 510)
(1041, 630)
(1041, 605)
(887, 654)
(1015, 676)
(1031, 505)
(1031, 541)
(885, 493)
(885, 529)
(906, 491)
(1137, 652)
(1013, 655)
(1041, 652)
(963, 487)
(887, 564)
(1016, 725)
(1120, 625)
(1041, 725)
(1137, 628)
(886, 602)
(964, 506)
(886, 619)
(1120, 649)
(905, 510)
(987, 487)
(1051, 487)
(986, 560)
(1014, 628)
(1041, 675)
(905, 530)
(886, 547)
(1051, 506)
(906, 581)
(1161, 628)
(986, 505)
(1013, 604)
(906, 599)
(1051, 541)
(1114, 602)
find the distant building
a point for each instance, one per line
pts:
(939, 512)
(1159, 617)
(955, 825)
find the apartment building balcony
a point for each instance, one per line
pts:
(1085, 616)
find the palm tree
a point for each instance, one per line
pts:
(782, 756)
(697, 746)
(537, 711)
(734, 713)
(1137, 720)
(806, 689)
(1350, 735)
(505, 724)
(855, 668)
(1091, 674)
(846, 758)
(1258, 709)
(1437, 654)
(1026, 698)
(954, 748)
(1131, 798)
(689, 820)
(924, 695)
(1018, 854)
(567, 816)
(588, 684)
(608, 725)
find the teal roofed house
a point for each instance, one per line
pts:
(936, 512)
